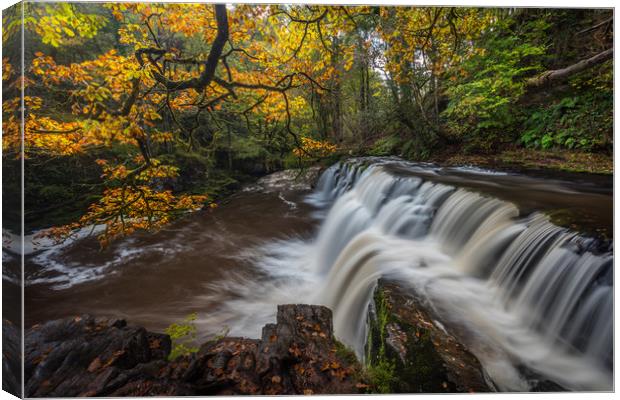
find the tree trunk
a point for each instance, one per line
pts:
(336, 95)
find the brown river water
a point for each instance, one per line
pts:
(156, 279)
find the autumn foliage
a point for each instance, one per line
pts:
(117, 98)
(151, 95)
(314, 148)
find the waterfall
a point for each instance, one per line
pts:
(517, 289)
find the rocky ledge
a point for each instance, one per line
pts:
(86, 356)
(407, 352)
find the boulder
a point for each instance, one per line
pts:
(11, 360)
(87, 356)
(410, 352)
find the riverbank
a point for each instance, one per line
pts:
(507, 158)
(527, 159)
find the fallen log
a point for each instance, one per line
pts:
(559, 75)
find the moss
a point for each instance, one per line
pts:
(345, 353)
(381, 376)
(580, 222)
(380, 367)
(421, 371)
(348, 358)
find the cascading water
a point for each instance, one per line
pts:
(516, 288)
(530, 299)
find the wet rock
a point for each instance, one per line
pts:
(11, 361)
(409, 352)
(287, 180)
(537, 382)
(297, 355)
(85, 356)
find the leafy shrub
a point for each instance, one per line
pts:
(248, 147)
(183, 336)
(582, 122)
(384, 146)
(485, 88)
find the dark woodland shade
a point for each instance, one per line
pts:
(12, 285)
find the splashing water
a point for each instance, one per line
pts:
(516, 289)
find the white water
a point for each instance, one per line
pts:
(62, 274)
(516, 290)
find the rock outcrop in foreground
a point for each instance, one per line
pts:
(85, 356)
(409, 352)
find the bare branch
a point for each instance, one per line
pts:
(209, 65)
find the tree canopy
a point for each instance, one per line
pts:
(145, 104)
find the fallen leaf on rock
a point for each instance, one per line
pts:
(94, 365)
(276, 379)
(114, 357)
(294, 351)
(339, 373)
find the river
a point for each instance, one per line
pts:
(516, 288)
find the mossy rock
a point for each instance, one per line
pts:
(407, 353)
